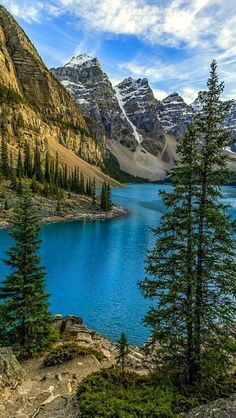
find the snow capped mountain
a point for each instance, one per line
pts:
(141, 109)
(126, 113)
(82, 59)
(92, 89)
(125, 116)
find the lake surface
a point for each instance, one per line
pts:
(93, 266)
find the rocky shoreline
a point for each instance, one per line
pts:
(72, 208)
(115, 212)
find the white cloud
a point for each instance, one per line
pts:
(189, 94)
(203, 29)
(191, 22)
(159, 94)
(194, 23)
(26, 9)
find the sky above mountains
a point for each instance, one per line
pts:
(171, 42)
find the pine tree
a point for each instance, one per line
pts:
(106, 203)
(122, 351)
(37, 171)
(103, 196)
(57, 170)
(171, 262)
(34, 185)
(81, 184)
(94, 191)
(191, 269)
(25, 323)
(58, 207)
(215, 260)
(19, 167)
(65, 177)
(4, 159)
(12, 172)
(47, 169)
(28, 168)
(108, 193)
(52, 172)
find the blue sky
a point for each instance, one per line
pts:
(171, 42)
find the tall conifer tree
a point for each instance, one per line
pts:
(25, 322)
(37, 171)
(28, 168)
(191, 269)
(19, 167)
(4, 158)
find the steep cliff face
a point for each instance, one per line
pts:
(34, 106)
(141, 109)
(93, 91)
(175, 115)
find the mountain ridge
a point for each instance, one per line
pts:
(135, 138)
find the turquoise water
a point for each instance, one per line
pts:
(93, 266)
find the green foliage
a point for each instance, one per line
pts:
(25, 322)
(5, 169)
(67, 352)
(28, 167)
(123, 350)
(191, 269)
(106, 202)
(37, 170)
(112, 168)
(58, 207)
(19, 167)
(6, 204)
(110, 393)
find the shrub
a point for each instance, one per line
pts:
(110, 393)
(67, 352)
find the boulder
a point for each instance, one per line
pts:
(69, 324)
(11, 373)
(221, 408)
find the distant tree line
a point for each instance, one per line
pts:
(54, 176)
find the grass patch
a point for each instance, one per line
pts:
(64, 353)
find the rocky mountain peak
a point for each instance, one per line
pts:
(175, 114)
(131, 85)
(84, 60)
(173, 98)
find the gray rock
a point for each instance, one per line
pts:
(221, 408)
(11, 373)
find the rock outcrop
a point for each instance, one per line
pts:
(221, 408)
(175, 115)
(11, 373)
(141, 108)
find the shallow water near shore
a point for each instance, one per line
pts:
(93, 266)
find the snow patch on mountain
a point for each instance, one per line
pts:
(120, 99)
(81, 60)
